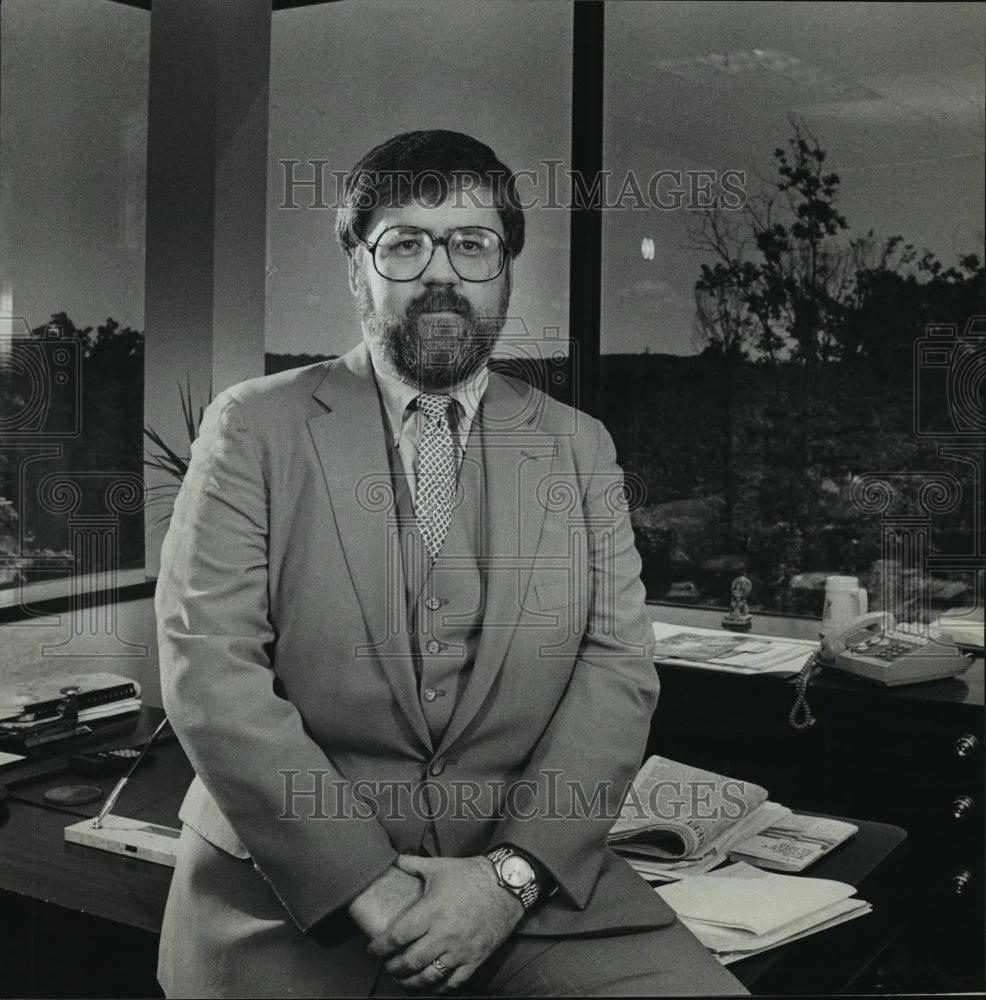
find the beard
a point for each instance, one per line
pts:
(429, 351)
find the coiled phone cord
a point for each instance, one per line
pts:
(801, 716)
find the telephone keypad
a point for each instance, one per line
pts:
(884, 648)
(893, 651)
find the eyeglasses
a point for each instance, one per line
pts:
(403, 253)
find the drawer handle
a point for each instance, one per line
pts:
(961, 881)
(966, 745)
(962, 806)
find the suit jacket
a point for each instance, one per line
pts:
(284, 666)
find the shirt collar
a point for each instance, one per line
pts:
(398, 396)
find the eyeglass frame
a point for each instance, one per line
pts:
(438, 241)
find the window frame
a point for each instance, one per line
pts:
(251, 45)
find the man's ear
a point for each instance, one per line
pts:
(508, 274)
(353, 270)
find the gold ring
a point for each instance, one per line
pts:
(442, 967)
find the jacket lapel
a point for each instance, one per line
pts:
(350, 443)
(517, 458)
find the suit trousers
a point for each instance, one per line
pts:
(283, 962)
(668, 961)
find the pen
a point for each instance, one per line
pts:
(122, 783)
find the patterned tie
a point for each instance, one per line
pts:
(436, 472)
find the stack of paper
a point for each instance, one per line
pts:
(653, 862)
(963, 626)
(679, 820)
(729, 652)
(740, 910)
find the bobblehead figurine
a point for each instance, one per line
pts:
(739, 618)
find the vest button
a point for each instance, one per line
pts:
(434, 646)
(436, 767)
(430, 694)
(433, 604)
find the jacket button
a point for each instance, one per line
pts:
(430, 694)
(433, 604)
(436, 768)
(434, 646)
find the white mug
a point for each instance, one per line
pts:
(845, 600)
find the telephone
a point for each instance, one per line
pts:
(874, 647)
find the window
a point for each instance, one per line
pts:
(500, 72)
(73, 138)
(758, 318)
(766, 434)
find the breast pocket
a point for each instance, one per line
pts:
(559, 613)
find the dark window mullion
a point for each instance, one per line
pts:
(586, 257)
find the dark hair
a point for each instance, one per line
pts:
(426, 166)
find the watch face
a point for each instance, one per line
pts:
(516, 872)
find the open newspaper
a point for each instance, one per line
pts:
(730, 652)
(680, 820)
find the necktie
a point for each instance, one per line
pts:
(436, 472)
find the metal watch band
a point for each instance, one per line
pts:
(529, 893)
(499, 854)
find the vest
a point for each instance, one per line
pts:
(445, 599)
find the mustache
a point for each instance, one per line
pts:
(440, 300)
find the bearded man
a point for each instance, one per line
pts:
(403, 642)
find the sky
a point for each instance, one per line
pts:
(894, 93)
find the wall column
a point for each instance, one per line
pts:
(206, 215)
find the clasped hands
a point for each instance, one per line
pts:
(421, 911)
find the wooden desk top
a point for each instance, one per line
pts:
(36, 861)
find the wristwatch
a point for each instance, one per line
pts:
(516, 874)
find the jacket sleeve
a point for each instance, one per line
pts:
(594, 744)
(215, 637)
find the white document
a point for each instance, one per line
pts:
(723, 939)
(748, 899)
(850, 912)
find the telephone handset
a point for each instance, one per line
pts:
(858, 634)
(874, 647)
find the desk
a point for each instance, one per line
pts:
(36, 861)
(46, 883)
(898, 756)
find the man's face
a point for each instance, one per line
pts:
(434, 331)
